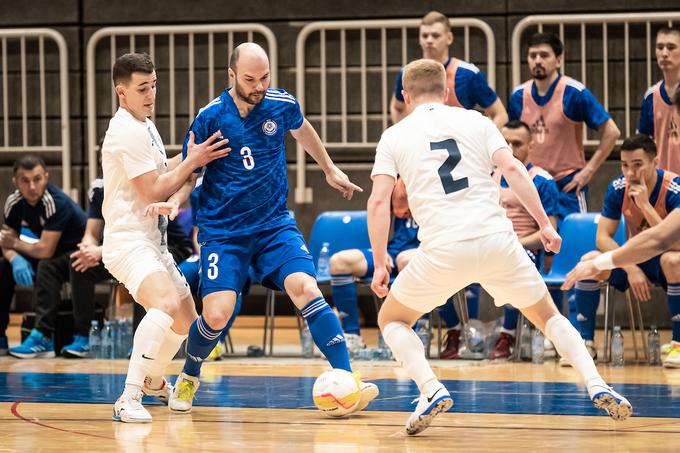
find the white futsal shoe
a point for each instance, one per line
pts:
(429, 406)
(182, 395)
(129, 409)
(604, 397)
(162, 394)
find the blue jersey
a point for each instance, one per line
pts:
(246, 191)
(547, 191)
(470, 85)
(578, 103)
(613, 200)
(646, 120)
(404, 236)
(55, 211)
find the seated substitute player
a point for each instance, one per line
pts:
(445, 156)
(347, 265)
(139, 187)
(59, 223)
(242, 217)
(644, 195)
(518, 136)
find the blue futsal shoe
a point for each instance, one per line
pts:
(79, 349)
(604, 397)
(429, 406)
(35, 346)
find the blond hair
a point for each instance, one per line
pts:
(435, 17)
(424, 77)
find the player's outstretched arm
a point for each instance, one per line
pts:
(520, 183)
(336, 178)
(153, 187)
(378, 217)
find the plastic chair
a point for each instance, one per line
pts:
(578, 233)
(342, 230)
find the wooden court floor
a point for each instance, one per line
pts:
(264, 404)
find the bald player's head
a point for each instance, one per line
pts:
(249, 67)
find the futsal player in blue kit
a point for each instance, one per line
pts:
(242, 217)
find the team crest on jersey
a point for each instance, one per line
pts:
(269, 127)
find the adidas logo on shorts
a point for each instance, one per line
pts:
(337, 339)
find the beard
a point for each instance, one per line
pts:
(252, 98)
(539, 73)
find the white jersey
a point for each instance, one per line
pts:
(443, 154)
(130, 149)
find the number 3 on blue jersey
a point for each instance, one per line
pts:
(450, 185)
(212, 266)
(248, 160)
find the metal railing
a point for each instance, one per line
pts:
(35, 139)
(355, 108)
(213, 38)
(603, 23)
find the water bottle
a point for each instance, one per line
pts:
(107, 348)
(95, 340)
(654, 347)
(525, 341)
(323, 268)
(537, 347)
(307, 342)
(617, 347)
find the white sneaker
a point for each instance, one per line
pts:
(604, 397)
(162, 394)
(182, 395)
(128, 408)
(354, 342)
(429, 406)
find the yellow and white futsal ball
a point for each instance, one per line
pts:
(336, 392)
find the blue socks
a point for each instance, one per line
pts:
(202, 339)
(448, 314)
(345, 299)
(673, 294)
(510, 315)
(557, 296)
(326, 332)
(587, 300)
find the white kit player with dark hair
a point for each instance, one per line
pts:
(139, 191)
(445, 156)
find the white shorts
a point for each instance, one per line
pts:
(497, 261)
(131, 265)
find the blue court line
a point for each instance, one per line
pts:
(276, 392)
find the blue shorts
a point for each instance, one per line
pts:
(651, 268)
(274, 255)
(368, 254)
(570, 202)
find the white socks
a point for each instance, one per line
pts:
(410, 353)
(149, 336)
(570, 345)
(169, 347)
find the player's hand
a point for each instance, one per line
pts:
(86, 257)
(639, 194)
(585, 270)
(339, 180)
(381, 278)
(204, 153)
(8, 237)
(639, 283)
(552, 242)
(22, 271)
(579, 181)
(168, 208)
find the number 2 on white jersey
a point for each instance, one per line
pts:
(248, 161)
(212, 266)
(450, 185)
